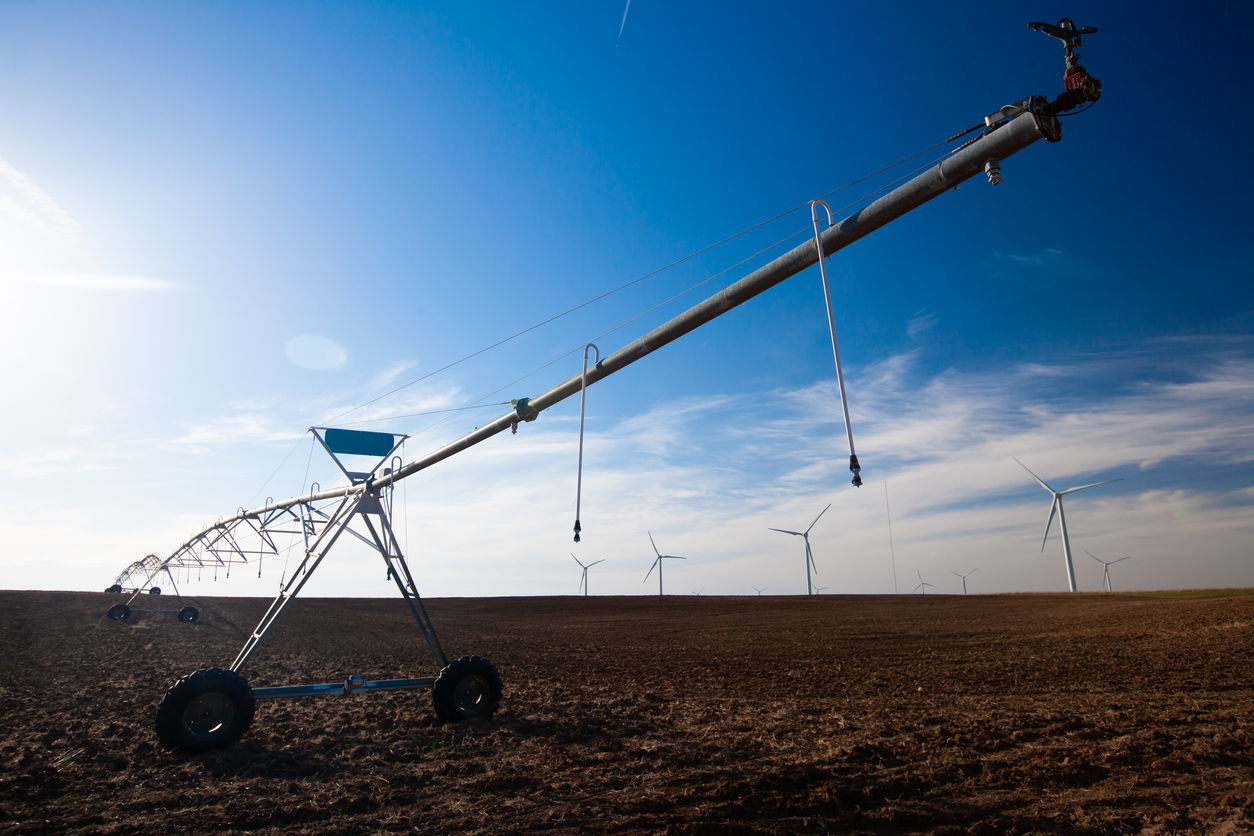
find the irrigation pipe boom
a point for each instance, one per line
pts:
(212, 708)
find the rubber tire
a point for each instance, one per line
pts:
(189, 615)
(156, 590)
(119, 612)
(208, 709)
(468, 687)
(115, 589)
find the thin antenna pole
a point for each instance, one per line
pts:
(583, 394)
(891, 551)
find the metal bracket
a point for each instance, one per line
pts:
(525, 412)
(1009, 111)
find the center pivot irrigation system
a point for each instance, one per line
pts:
(213, 708)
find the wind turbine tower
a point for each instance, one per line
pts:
(1106, 566)
(964, 578)
(1062, 520)
(658, 563)
(583, 582)
(805, 535)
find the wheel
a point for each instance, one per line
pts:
(119, 612)
(156, 590)
(468, 687)
(209, 709)
(189, 614)
(115, 589)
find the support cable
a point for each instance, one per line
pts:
(642, 278)
(276, 470)
(444, 421)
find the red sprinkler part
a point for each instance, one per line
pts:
(1081, 87)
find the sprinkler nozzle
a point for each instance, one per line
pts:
(993, 169)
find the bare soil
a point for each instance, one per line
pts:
(682, 715)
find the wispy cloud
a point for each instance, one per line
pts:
(107, 282)
(919, 323)
(25, 202)
(712, 474)
(253, 426)
(1045, 266)
(50, 463)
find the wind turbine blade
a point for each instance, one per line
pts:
(1086, 487)
(594, 563)
(673, 557)
(577, 561)
(810, 557)
(1122, 558)
(786, 531)
(1095, 557)
(816, 519)
(651, 568)
(655, 551)
(952, 572)
(1034, 476)
(1052, 509)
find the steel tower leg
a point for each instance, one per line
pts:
(292, 586)
(1066, 547)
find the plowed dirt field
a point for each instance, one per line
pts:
(685, 715)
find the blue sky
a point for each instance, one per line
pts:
(222, 223)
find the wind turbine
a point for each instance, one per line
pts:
(923, 585)
(1106, 566)
(805, 535)
(1062, 520)
(658, 563)
(964, 578)
(760, 591)
(583, 582)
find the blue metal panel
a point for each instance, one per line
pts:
(358, 443)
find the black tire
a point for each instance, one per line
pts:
(115, 589)
(468, 687)
(189, 615)
(209, 709)
(156, 590)
(119, 612)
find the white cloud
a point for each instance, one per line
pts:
(109, 282)
(21, 200)
(709, 476)
(253, 427)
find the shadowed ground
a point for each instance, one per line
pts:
(685, 715)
